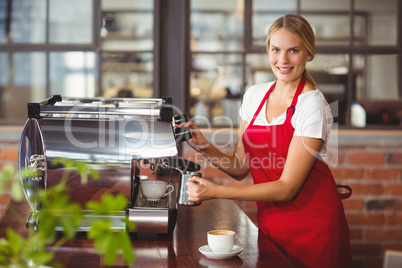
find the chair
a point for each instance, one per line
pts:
(392, 259)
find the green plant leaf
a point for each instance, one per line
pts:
(108, 241)
(103, 242)
(111, 252)
(16, 191)
(15, 241)
(94, 174)
(99, 233)
(129, 224)
(126, 246)
(95, 206)
(5, 250)
(109, 204)
(27, 173)
(41, 257)
(59, 211)
(7, 172)
(69, 225)
(120, 202)
(47, 224)
(117, 203)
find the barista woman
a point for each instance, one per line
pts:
(284, 128)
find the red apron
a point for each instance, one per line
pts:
(311, 229)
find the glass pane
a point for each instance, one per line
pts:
(3, 21)
(265, 12)
(215, 89)
(5, 69)
(216, 25)
(324, 5)
(258, 69)
(380, 75)
(330, 71)
(28, 21)
(72, 74)
(70, 22)
(127, 75)
(377, 22)
(127, 25)
(27, 84)
(379, 93)
(329, 20)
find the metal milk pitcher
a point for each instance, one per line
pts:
(182, 198)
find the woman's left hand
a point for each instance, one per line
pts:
(199, 189)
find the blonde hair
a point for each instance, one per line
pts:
(301, 28)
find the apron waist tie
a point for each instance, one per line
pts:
(347, 194)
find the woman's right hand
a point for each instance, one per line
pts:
(199, 189)
(198, 142)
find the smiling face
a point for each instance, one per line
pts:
(287, 55)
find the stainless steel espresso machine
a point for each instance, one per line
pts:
(125, 140)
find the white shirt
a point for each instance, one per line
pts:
(312, 117)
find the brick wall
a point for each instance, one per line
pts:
(8, 154)
(374, 212)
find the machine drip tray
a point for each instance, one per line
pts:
(162, 203)
(167, 202)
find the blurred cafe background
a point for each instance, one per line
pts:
(205, 54)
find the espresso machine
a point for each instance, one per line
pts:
(126, 140)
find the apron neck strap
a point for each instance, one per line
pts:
(262, 103)
(292, 108)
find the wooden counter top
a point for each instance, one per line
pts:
(179, 249)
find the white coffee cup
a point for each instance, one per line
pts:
(221, 241)
(155, 190)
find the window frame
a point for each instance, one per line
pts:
(47, 47)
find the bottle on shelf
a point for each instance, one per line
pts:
(357, 115)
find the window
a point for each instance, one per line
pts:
(77, 48)
(23, 80)
(127, 45)
(70, 22)
(72, 73)
(48, 48)
(135, 48)
(217, 62)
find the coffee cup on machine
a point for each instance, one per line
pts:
(154, 190)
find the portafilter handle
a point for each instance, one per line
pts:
(180, 164)
(183, 133)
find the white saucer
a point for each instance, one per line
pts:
(207, 252)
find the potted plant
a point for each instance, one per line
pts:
(38, 249)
